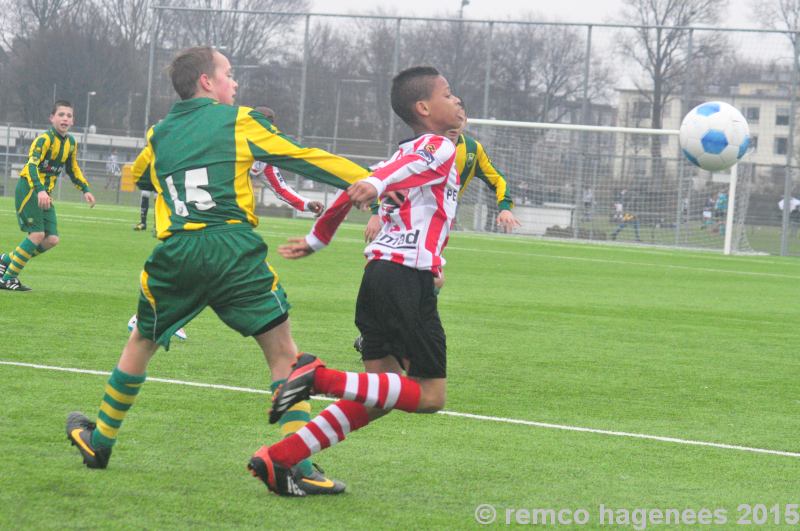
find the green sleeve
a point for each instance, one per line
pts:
(38, 148)
(269, 145)
(142, 166)
(487, 172)
(74, 171)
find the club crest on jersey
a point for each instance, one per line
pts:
(470, 158)
(425, 154)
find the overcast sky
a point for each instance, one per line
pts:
(563, 10)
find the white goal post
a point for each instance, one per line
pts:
(606, 183)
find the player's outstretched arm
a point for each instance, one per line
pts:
(495, 180)
(322, 232)
(272, 177)
(424, 167)
(273, 147)
(296, 248)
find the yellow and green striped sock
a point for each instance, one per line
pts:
(19, 258)
(295, 418)
(121, 390)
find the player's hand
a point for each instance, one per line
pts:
(507, 221)
(44, 200)
(89, 199)
(296, 248)
(438, 280)
(397, 197)
(316, 207)
(373, 228)
(362, 194)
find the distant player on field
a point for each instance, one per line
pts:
(396, 308)
(471, 161)
(200, 155)
(271, 176)
(50, 153)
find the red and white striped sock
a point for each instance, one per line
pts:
(385, 390)
(326, 429)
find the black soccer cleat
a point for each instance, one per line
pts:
(13, 284)
(79, 433)
(3, 266)
(297, 387)
(140, 227)
(276, 477)
(317, 483)
(358, 344)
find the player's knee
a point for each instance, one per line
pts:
(51, 241)
(431, 401)
(36, 237)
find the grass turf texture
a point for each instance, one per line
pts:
(679, 344)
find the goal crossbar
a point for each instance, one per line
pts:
(728, 245)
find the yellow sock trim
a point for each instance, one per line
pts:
(111, 412)
(107, 430)
(291, 427)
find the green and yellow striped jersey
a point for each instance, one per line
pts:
(198, 158)
(472, 161)
(51, 153)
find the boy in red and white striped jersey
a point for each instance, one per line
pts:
(396, 310)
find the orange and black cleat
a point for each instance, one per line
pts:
(276, 477)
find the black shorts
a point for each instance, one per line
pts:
(397, 316)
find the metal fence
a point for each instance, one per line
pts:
(334, 74)
(328, 78)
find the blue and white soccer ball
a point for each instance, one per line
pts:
(714, 136)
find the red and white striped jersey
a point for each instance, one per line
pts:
(415, 232)
(271, 176)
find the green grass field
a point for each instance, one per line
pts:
(693, 346)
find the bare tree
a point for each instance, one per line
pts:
(130, 20)
(242, 36)
(659, 46)
(781, 15)
(23, 19)
(539, 72)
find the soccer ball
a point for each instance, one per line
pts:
(714, 136)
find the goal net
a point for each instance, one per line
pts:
(606, 183)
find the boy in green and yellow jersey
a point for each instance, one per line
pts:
(198, 160)
(472, 161)
(50, 153)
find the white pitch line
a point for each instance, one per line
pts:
(504, 420)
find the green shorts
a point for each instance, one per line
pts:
(222, 267)
(30, 216)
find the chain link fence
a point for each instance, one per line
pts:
(328, 78)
